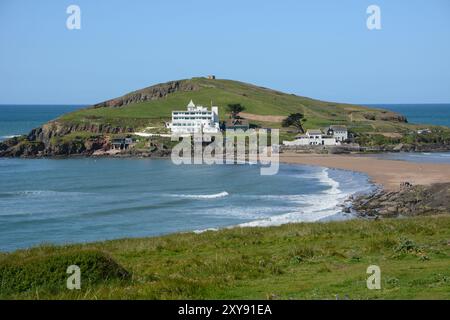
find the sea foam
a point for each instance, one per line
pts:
(202, 196)
(315, 207)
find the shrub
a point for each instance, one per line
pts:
(406, 246)
(49, 270)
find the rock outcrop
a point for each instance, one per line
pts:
(409, 147)
(385, 116)
(408, 201)
(151, 93)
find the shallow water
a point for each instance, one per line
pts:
(420, 157)
(77, 200)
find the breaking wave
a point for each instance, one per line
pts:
(314, 207)
(202, 196)
(321, 206)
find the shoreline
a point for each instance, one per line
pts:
(389, 174)
(365, 165)
(285, 217)
(383, 174)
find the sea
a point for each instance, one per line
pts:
(434, 114)
(16, 120)
(62, 201)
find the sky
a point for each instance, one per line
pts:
(320, 49)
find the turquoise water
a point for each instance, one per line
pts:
(78, 200)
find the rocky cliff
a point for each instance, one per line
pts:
(408, 201)
(151, 93)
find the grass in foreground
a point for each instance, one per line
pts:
(296, 261)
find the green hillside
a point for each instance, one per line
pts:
(257, 101)
(88, 130)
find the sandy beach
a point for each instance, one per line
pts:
(387, 173)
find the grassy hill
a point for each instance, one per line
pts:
(152, 106)
(296, 261)
(90, 129)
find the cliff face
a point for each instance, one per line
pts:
(151, 93)
(386, 116)
(22, 147)
(57, 129)
(48, 140)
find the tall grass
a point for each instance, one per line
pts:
(295, 261)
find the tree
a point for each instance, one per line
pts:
(235, 109)
(295, 120)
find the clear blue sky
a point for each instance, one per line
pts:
(316, 48)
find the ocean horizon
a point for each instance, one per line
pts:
(420, 113)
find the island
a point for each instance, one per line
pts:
(94, 130)
(291, 261)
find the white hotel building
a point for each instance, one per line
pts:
(195, 119)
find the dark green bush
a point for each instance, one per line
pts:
(49, 271)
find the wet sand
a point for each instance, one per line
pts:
(387, 173)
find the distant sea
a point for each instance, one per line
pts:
(20, 119)
(426, 114)
(78, 200)
(437, 114)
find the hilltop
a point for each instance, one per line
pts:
(153, 106)
(89, 129)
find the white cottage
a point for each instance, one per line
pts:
(195, 119)
(314, 137)
(335, 136)
(339, 132)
